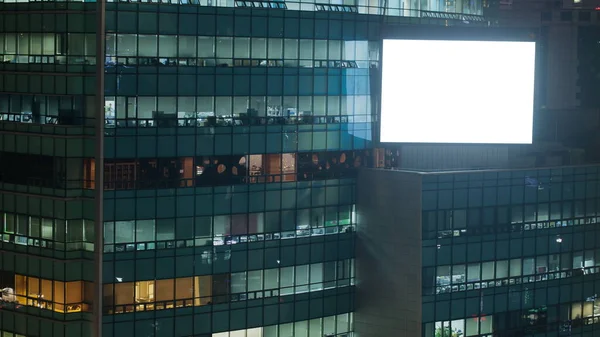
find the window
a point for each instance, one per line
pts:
(35, 227)
(255, 280)
(238, 282)
(33, 170)
(578, 260)
(64, 297)
(316, 276)
(165, 229)
(487, 271)
(184, 291)
(165, 291)
(145, 230)
(554, 263)
(443, 275)
(202, 290)
(167, 46)
(473, 272)
(588, 259)
(124, 231)
(302, 278)
(566, 16)
(144, 292)
(9, 223)
(541, 264)
(528, 266)
(206, 47)
(271, 278)
(502, 269)
(75, 231)
(47, 228)
(459, 274)
(585, 16)
(287, 280)
(546, 16)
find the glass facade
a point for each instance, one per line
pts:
(588, 57)
(233, 132)
(511, 253)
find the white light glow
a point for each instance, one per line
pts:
(457, 91)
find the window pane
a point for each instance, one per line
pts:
(515, 267)
(487, 271)
(206, 46)
(124, 293)
(275, 48)
(528, 266)
(148, 45)
(164, 290)
(287, 279)
(271, 278)
(459, 274)
(473, 271)
(165, 229)
(127, 45)
(290, 49)
(124, 231)
(225, 47)
(255, 280)
(167, 46)
(502, 269)
(259, 48)
(9, 224)
(302, 275)
(242, 47)
(316, 276)
(144, 231)
(187, 46)
(184, 288)
(306, 49)
(35, 227)
(238, 282)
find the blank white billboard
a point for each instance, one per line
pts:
(457, 91)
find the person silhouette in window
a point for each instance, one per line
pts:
(239, 171)
(222, 176)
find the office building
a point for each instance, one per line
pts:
(478, 253)
(200, 154)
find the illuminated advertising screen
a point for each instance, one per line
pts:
(461, 92)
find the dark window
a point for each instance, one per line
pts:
(546, 16)
(32, 170)
(566, 16)
(7, 279)
(585, 16)
(220, 288)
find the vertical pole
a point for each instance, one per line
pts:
(99, 160)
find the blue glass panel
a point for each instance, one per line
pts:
(148, 23)
(206, 25)
(167, 23)
(292, 28)
(242, 26)
(187, 24)
(307, 29)
(258, 86)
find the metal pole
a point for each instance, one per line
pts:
(99, 161)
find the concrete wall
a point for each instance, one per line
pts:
(453, 157)
(561, 71)
(388, 254)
